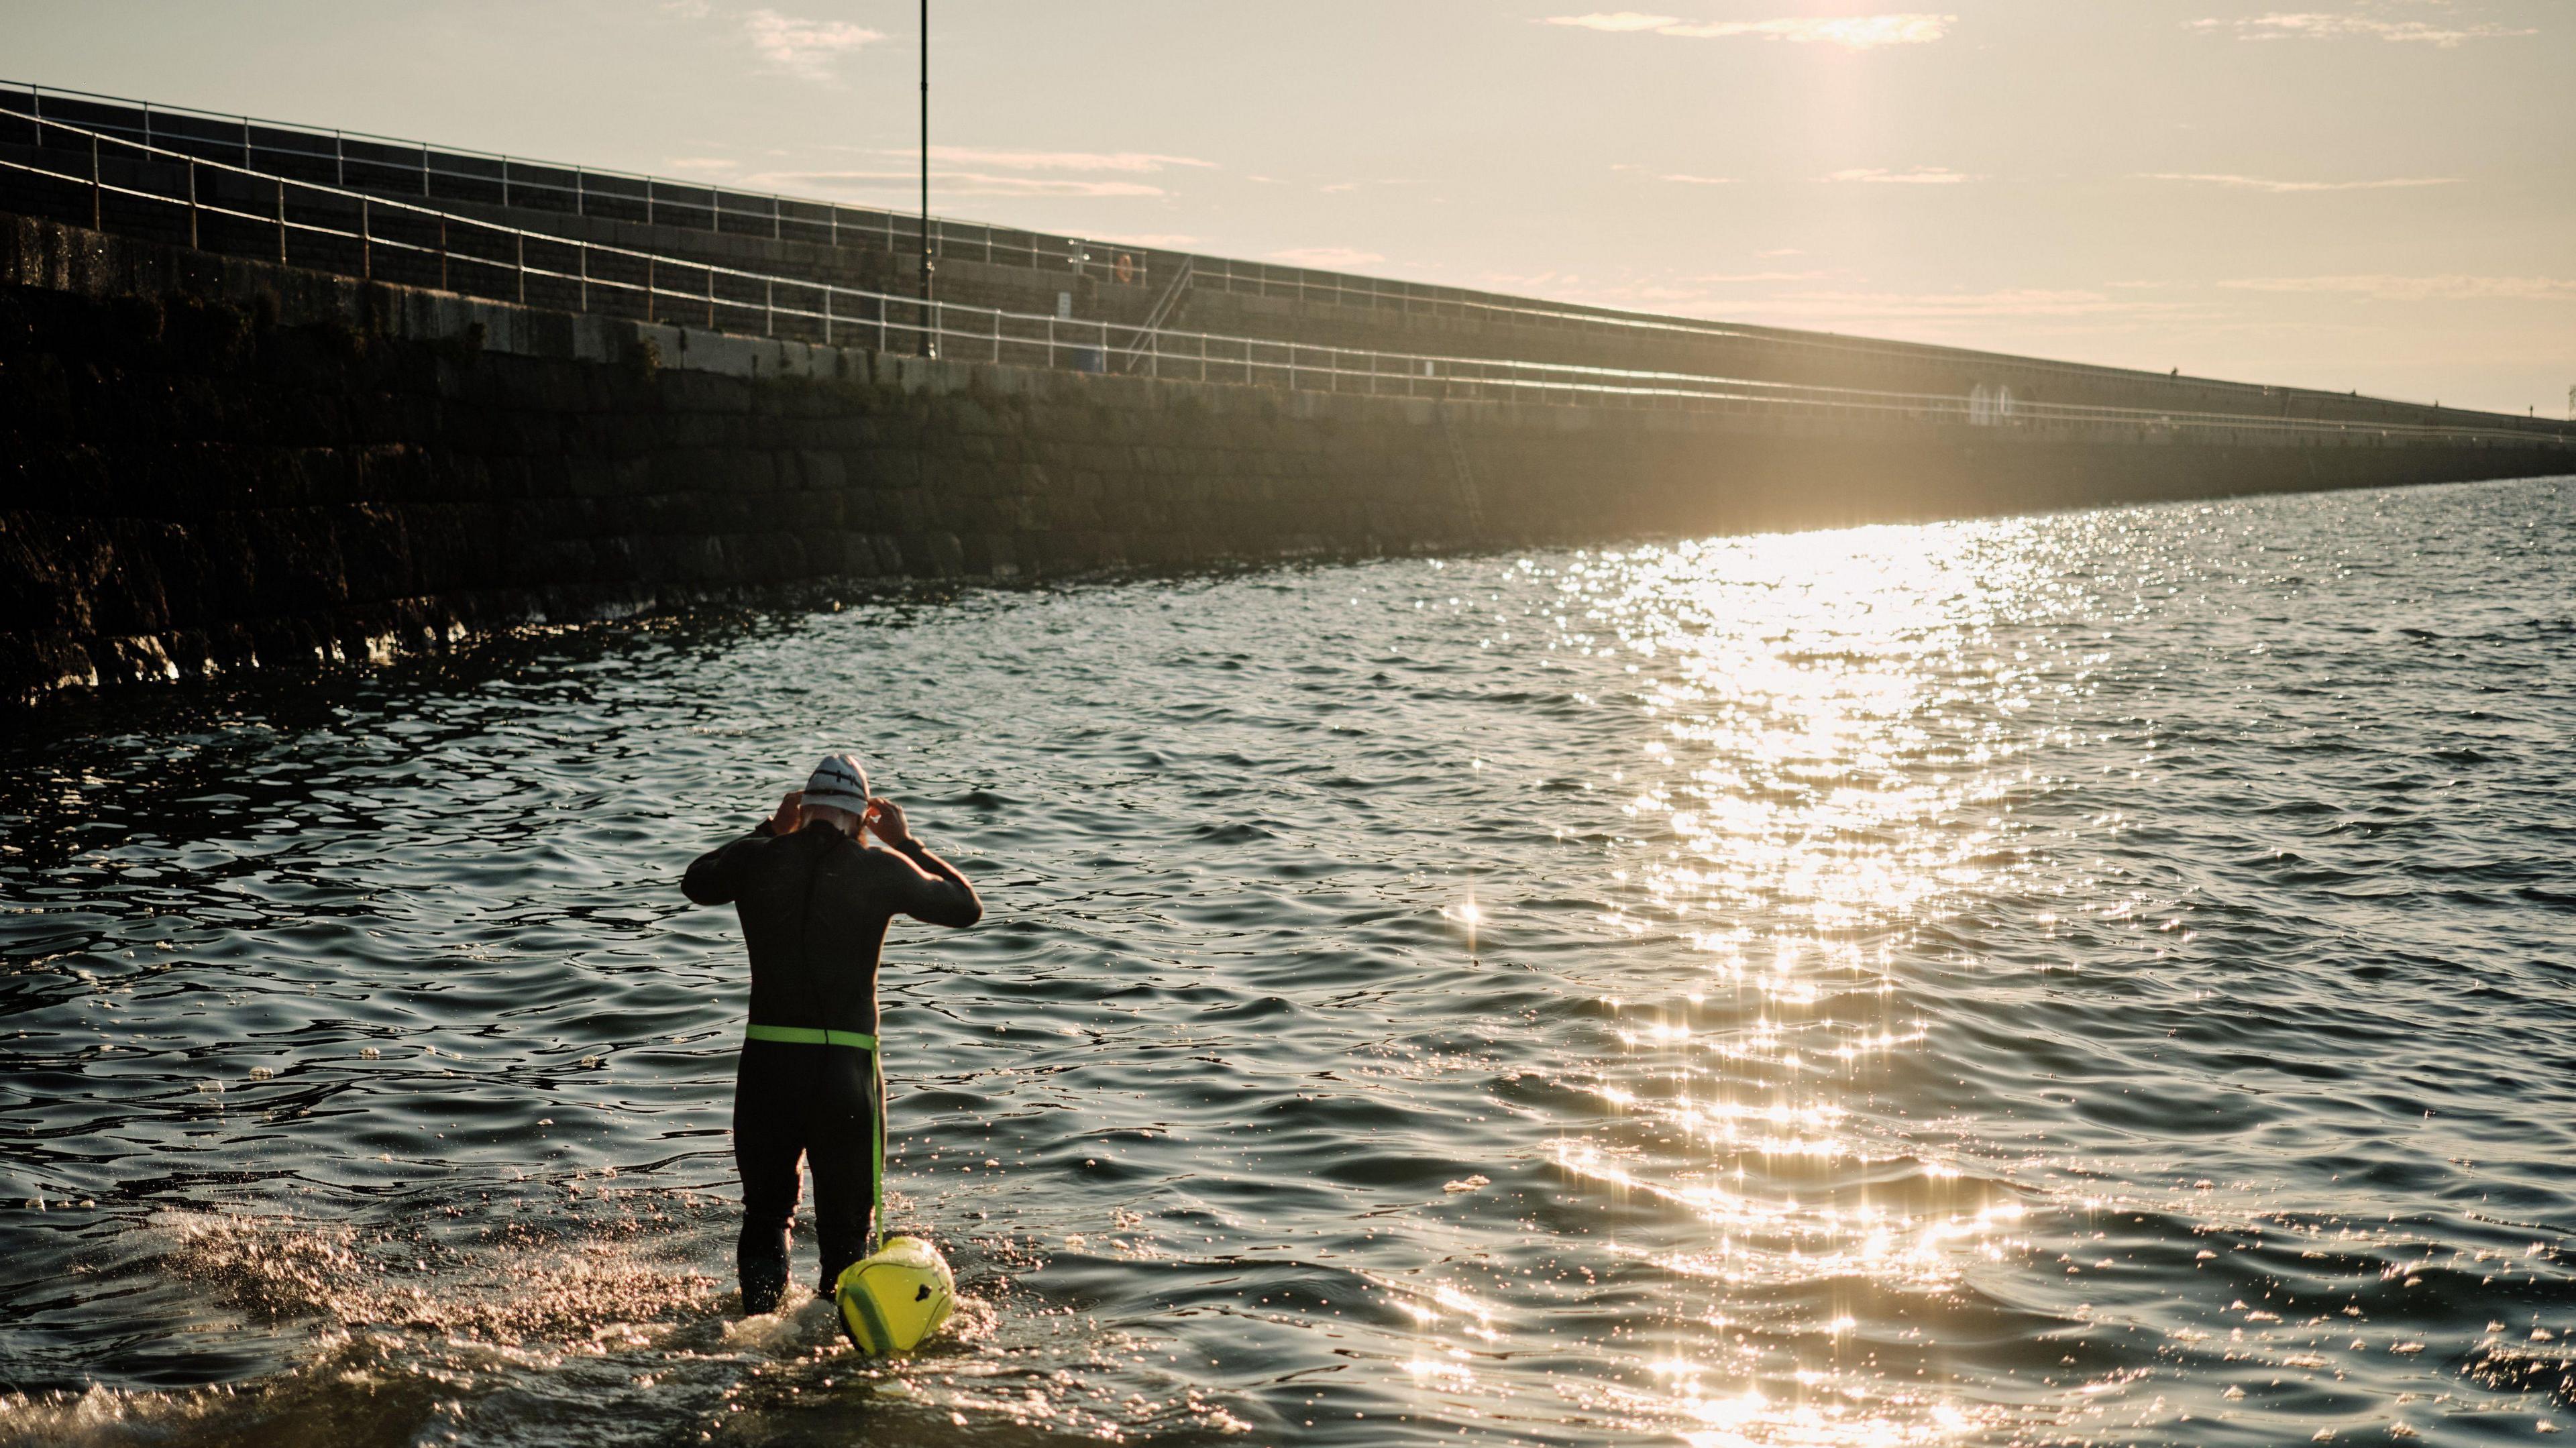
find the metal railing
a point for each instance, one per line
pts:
(387, 165)
(236, 210)
(356, 158)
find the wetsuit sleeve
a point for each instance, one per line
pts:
(930, 889)
(712, 877)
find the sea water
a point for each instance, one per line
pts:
(2099, 977)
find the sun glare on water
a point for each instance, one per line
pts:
(1828, 748)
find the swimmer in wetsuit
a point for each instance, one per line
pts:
(815, 899)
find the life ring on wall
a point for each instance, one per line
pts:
(1126, 269)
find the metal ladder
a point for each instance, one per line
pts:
(1165, 307)
(1471, 500)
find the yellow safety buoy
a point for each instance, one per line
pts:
(893, 1300)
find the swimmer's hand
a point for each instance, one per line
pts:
(791, 814)
(885, 817)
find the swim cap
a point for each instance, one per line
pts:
(839, 782)
(891, 1301)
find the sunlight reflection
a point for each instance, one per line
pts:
(1828, 762)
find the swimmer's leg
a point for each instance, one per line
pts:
(768, 1137)
(848, 1156)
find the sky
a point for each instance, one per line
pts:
(2359, 194)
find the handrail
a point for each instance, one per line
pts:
(661, 196)
(1045, 340)
(1264, 279)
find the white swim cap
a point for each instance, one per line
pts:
(840, 783)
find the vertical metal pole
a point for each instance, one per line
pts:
(773, 218)
(520, 240)
(245, 142)
(648, 289)
(648, 201)
(192, 203)
(442, 253)
(424, 171)
(929, 330)
(339, 161)
(505, 180)
(582, 253)
(827, 316)
(98, 192)
(580, 192)
(281, 221)
(711, 299)
(366, 244)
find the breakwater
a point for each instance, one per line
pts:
(214, 464)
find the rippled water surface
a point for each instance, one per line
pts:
(2098, 977)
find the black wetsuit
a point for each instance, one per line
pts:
(814, 906)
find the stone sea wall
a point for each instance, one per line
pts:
(210, 465)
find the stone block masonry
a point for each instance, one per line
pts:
(210, 465)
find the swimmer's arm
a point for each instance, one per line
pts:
(937, 894)
(932, 891)
(710, 880)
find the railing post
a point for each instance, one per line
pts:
(442, 254)
(339, 160)
(581, 254)
(580, 192)
(281, 221)
(245, 142)
(192, 203)
(98, 191)
(648, 289)
(366, 244)
(711, 299)
(769, 307)
(827, 315)
(505, 181)
(520, 241)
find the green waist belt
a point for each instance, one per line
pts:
(811, 1036)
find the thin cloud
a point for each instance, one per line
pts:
(1852, 32)
(1914, 176)
(1698, 180)
(805, 49)
(2449, 288)
(2265, 183)
(1735, 278)
(1616, 22)
(697, 163)
(1951, 306)
(1004, 160)
(1326, 257)
(2308, 25)
(951, 183)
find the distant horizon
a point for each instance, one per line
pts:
(2425, 283)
